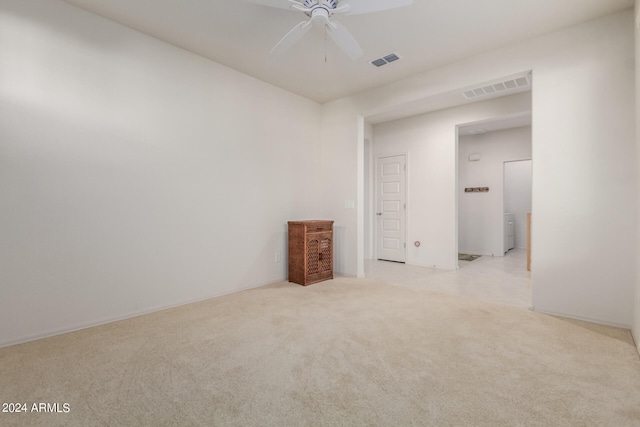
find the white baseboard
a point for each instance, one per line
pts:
(104, 321)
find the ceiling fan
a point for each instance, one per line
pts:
(321, 11)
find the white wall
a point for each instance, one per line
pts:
(369, 187)
(342, 172)
(584, 174)
(135, 175)
(481, 215)
(429, 140)
(517, 196)
(636, 323)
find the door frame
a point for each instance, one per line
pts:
(374, 216)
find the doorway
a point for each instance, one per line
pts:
(485, 149)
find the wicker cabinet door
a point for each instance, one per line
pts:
(319, 256)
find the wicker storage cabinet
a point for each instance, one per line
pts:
(310, 251)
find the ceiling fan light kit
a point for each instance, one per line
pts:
(321, 12)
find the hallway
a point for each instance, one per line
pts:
(502, 280)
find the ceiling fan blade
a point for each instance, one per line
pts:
(343, 38)
(291, 38)
(366, 6)
(280, 4)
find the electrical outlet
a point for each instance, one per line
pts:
(278, 257)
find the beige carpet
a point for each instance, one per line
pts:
(337, 353)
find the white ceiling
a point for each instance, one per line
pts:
(428, 34)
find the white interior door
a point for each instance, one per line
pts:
(391, 204)
(517, 197)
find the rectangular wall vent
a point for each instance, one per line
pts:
(391, 57)
(387, 59)
(506, 85)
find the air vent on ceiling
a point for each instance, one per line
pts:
(503, 86)
(385, 60)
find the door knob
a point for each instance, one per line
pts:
(379, 213)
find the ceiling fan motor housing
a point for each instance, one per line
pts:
(320, 8)
(332, 4)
